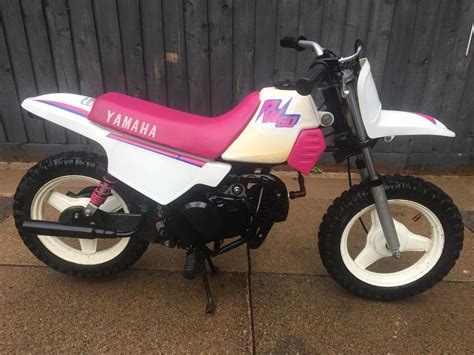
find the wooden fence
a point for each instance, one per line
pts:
(204, 56)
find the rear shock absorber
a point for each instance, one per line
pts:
(100, 194)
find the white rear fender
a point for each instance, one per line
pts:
(158, 172)
(386, 123)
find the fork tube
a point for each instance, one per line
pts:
(375, 182)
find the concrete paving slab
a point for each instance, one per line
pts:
(291, 246)
(12, 249)
(43, 311)
(459, 188)
(303, 314)
(9, 180)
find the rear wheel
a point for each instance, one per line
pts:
(64, 181)
(353, 248)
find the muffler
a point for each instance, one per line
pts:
(55, 229)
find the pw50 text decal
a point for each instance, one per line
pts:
(273, 113)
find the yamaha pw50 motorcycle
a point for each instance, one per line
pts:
(205, 184)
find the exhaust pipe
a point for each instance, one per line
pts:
(66, 230)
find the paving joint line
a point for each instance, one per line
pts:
(249, 300)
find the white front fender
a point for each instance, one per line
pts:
(399, 123)
(386, 123)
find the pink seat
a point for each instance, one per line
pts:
(206, 137)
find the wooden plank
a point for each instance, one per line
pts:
(465, 123)
(86, 48)
(153, 50)
(62, 51)
(334, 18)
(265, 23)
(357, 24)
(378, 38)
(398, 53)
(197, 50)
(33, 152)
(110, 45)
(287, 25)
(397, 58)
(220, 48)
(12, 121)
(417, 68)
(129, 15)
(3, 136)
(175, 55)
(310, 26)
(43, 67)
(456, 83)
(243, 48)
(21, 64)
(438, 67)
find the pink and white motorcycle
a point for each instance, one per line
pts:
(205, 184)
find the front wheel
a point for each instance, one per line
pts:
(353, 248)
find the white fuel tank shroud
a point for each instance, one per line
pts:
(386, 123)
(274, 128)
(159, 173)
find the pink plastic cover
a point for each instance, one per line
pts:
(308, 148)
(202, 136)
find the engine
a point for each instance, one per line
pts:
(240, 206)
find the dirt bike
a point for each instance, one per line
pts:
(205, 184)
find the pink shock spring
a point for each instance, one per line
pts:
(102, 191)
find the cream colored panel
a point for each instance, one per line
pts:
(265, 141)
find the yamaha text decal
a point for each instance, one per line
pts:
(272, 113)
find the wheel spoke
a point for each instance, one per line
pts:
(112, 204)
(374, 218)
(367, 257)
(60, 201)
(88, 246)
(415, 242)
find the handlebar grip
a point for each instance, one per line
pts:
(304, 86)
(292, 42)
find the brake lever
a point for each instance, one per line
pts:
(351, 57)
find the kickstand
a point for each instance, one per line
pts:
(214, 269)
(210, 306)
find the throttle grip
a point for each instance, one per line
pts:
(304, 86)
(292, 42)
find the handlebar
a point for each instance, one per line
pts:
(304, 86)
(320, 69)
(300, 44)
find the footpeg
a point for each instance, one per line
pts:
(191, 266)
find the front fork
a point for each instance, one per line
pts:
(367, 171)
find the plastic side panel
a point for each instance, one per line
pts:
(307, 150)
(67, 110)
(157, 172)
(273, 130)
(399, 123)
(157, 176)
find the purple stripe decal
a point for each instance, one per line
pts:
(183, 158)
(66, 107)
(429, 118)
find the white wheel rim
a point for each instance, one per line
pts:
(375, 249)
(88, 254)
